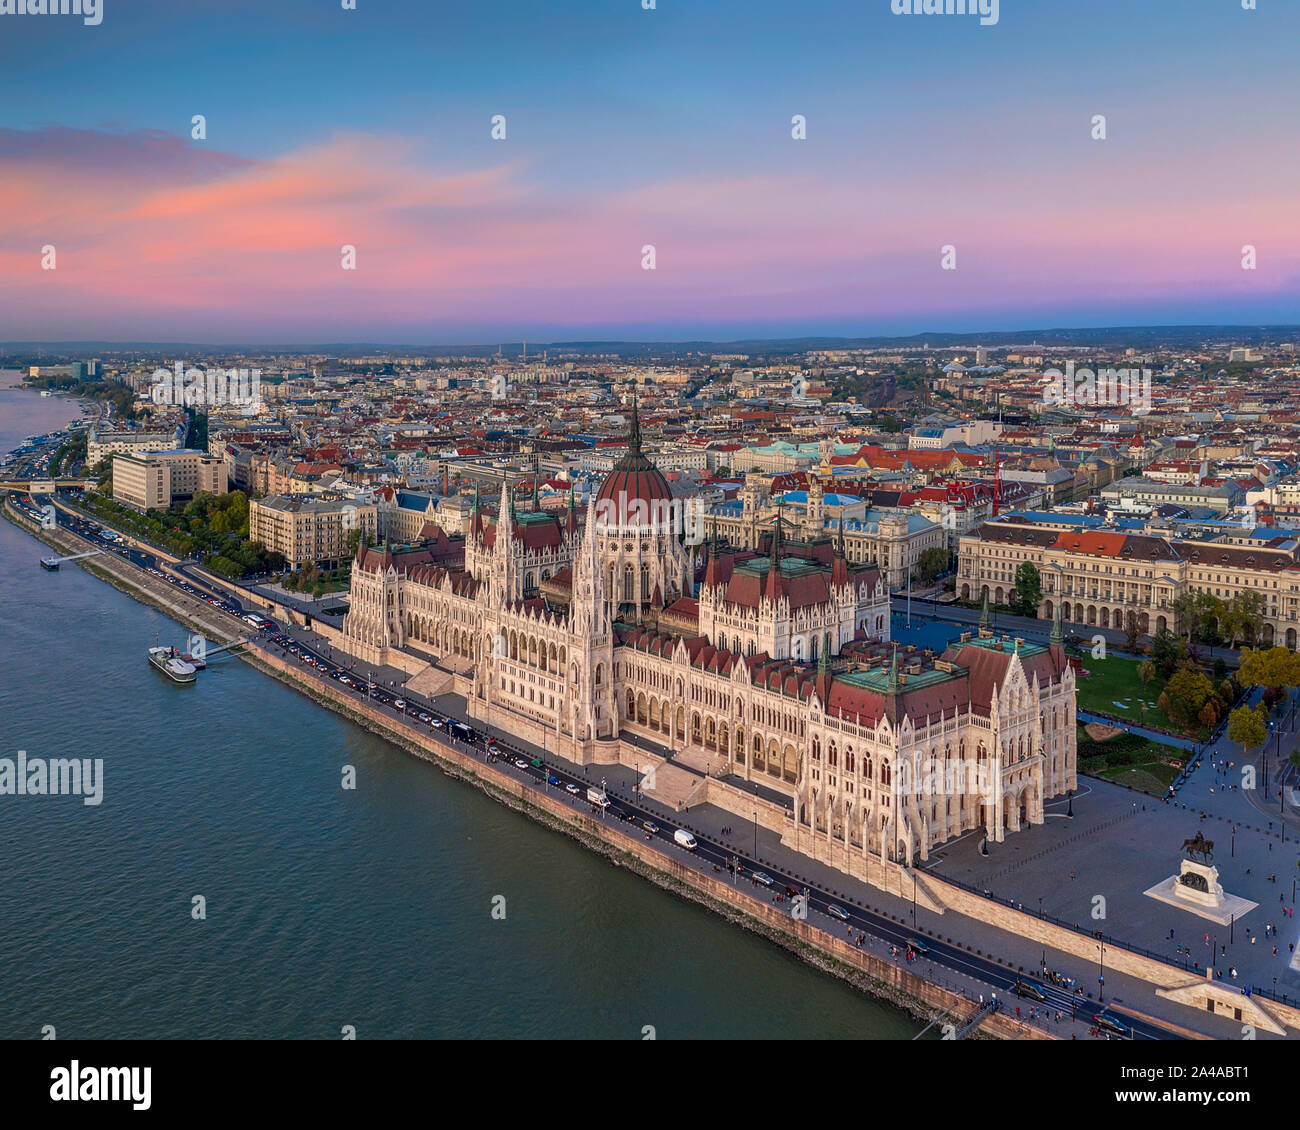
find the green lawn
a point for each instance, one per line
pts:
(1112, 687)
(1153, 778)
(1129, 760)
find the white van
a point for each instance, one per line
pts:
(683, 837)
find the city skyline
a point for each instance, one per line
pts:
(627, 128)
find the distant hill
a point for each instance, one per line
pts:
(1137, 337)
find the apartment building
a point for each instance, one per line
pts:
(1144, 493)
(310, 528)
(149, 480)
(101, 444)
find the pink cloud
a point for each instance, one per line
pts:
(152, 231)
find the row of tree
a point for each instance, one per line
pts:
(1213, 620)
(1277, 670)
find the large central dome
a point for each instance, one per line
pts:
(634, 493)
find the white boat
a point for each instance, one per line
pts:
(168, 661)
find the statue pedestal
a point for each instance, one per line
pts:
(1196, 888)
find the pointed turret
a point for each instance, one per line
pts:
(840, 567)
(571, 523)
(1056, 642)
(984, 616)
(476, 515)
(634, 430)
(537, 505)
(713, 573)
(775, 581)
(505, 516)
(823, 681)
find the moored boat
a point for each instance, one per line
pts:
(169, 662)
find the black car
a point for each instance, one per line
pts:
(1110, 1023)
(1030, 990)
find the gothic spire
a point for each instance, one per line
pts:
(634, 431)
(984, 616)
(1056, 638)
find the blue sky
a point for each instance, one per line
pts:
(922, 130)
